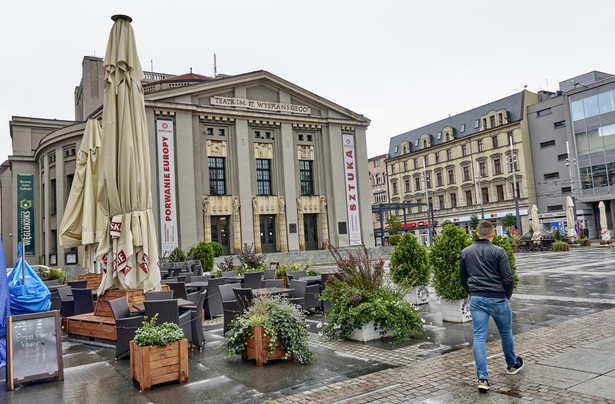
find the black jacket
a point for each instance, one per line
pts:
(485, 270)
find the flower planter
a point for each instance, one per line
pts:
(152, 364)
(258, 348)
(368, 332)
(455, 311)
(417, 295)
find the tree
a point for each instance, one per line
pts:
(409, 264)
(444, 258)
(473, 222)
(509, 221)
(393, 225)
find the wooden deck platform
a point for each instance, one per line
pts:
(90, 325)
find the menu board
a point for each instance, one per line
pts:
(33, 348)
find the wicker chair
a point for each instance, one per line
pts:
(78, 284)
(161, 295)
(252, 280)
(168, 312)
(84, 300)
(126, 324)
(244, 298)
(213, 304)
(229, 304)
(196, 321)
(179, 290)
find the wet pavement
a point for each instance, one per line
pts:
(564, 325)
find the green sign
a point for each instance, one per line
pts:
(25, 212)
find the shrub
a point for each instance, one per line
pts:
(393, 225)
(394, 239)
(216, 248)
(444, 258)
(204, 253)
(359, 270)
(250, 259)
(409, 264)
(177, 255)
(163, 334)
(558, 235)
(313, 272)
(506, 243)
(227, 264)
(560, 246)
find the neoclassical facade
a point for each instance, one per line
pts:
(462, 166)
(245, 159)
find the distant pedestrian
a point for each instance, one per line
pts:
(486, 275)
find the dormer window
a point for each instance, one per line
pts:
(462, 128)
(439, 135)
(416, 143)
(424, 143)
(476, 123)
(396, 149)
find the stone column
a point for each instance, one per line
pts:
(206, 220)
(324, 223)
(282, 224)
(236, 223)
(257, 226)
(300, 229)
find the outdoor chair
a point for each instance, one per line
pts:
(126, 325)
(197, 268)
(297, 296)
(269, 274)
(163, 294)
(252, 280)
(325, 304)
(244, 298)
(213, 304)
(200, 278)
(78, 284)
(168, 312)
(229, 273)
(229, 304)
(179, 290)
(274, 283)
(67, 301)
(84, 300)
(196, 321)
(56, 302)
(48, 282)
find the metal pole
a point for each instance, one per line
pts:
(381, 226)
(513, 163)
(569, 163)
(427, 202)
(480, 192)
(23, 261)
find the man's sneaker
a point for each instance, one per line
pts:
(515, 369)
(483, 385)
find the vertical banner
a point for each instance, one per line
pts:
(352, 194)
(166, 176)
(25, 212)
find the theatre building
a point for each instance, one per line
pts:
(244, 159)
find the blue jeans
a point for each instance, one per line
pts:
(498, 308)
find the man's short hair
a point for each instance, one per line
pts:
(485, 229)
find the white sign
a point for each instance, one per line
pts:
(166, 175)
(262, 105)
(352, 194)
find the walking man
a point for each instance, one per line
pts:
(486, 275)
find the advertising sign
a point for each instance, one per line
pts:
(25, 212)
(166, 176)
(352, 194)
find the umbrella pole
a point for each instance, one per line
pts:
(23, 261)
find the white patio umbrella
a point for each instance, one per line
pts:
(535, 223)
(605, 233)
(82, 217)
(572, 232)
(129, 247)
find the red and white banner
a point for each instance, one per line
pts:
(166, 176)
(352, 194)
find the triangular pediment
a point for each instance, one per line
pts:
(258, 92)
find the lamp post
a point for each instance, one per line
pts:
(569, 163)
(513, 163)
(429, 224)
(479, 192)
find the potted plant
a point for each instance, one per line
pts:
(158, 354)
(271, 329)
(515, 243)
(444, 258)
(410, 269)
(362, 306)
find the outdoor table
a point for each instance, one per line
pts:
(311, 279)
(200, 285)
(270, 291)
(57, 286)
(236, 278)
(180, 303)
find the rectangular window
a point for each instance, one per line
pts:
(605, 101)
(464, 150)
(492, 121)
(426, 160)
(407, 185)
(217, 183)
(417, 184)
(220, 132)
(307, 177)
(416, 163)
(453, 200)
(476, 123)
(511, 139)
(468, 198)
(566, 190)
(497, 166)
(462, 128)
(376, 163)
(394, 184)
(392, 168)
(555, 208)
(559, 124)
(439, 179)
(52, 196)
(550, 176)
(500, 119)
(480, 145)
(466, 173)
(451, 176)
(494, 141)
(548, 143)
(485, 192)
(263, 177)
(437, 157)
(544, 112)
(406, 165)
(500, 191)
(512, 188)
(482, 167)
(449, 155)
(441, 201)
(562, 157)
(210, 131)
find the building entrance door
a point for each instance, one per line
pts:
(267, 223)
(220, 232)
(310, 231)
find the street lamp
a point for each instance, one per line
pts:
(569, 163)
(479, 192)
(429, 224)
(513, 163)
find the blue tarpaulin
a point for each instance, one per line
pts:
(31, 295)
(5, 303)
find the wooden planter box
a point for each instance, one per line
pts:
(455, 311)
(258, 348)
(417, 295)
(150, 365)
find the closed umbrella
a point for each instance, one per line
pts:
(535, 223)
(128, 248)
(605, 233)
(82, 217)
(571, 232)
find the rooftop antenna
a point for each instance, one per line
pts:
(215, 66)
(191, 70)
(151, 63)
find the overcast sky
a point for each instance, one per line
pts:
(402, 64)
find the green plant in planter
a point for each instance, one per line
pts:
(409, 263)
(560, 246)
(558, 235)
(250, 259)
(217, 248)
(163, 334)
(282, 269)
(361, 298)
(204, 253)
(394, 239)
(313, 272)
(444, 257)
(177, 255)
(281, 320)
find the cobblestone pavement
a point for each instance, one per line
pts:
(571, 361)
